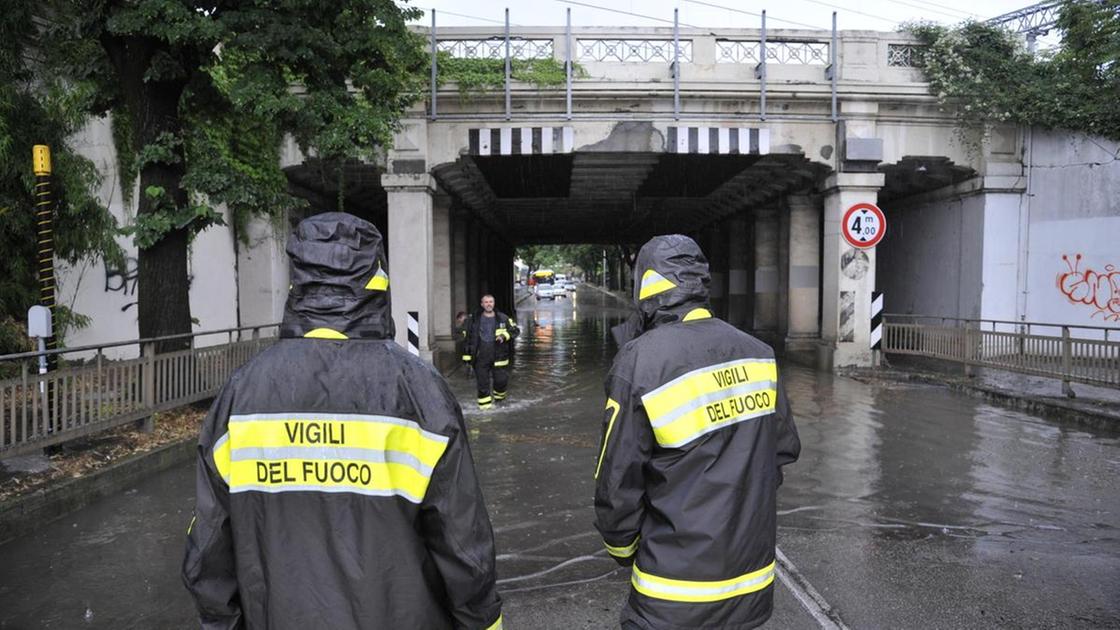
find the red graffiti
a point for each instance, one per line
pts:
(1101, 290)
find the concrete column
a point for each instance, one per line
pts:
(442, 317)
(485, 255)
(459, 284)
(803, 324)
(849, 274)
(739, 252)
(474, 264)
(783, 274)
(717, 267)
(411, 277)
(766, 274)
(262, 273)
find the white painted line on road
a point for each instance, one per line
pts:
(809, 597)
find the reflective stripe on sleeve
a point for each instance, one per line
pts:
(317, 452)
(497, 625)
(222, 457)
(623, 552)
(701, 591)
(467, 357)
(614, 407)
(711, 398)
(502, 363)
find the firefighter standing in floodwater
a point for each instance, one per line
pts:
(335, 485)
(490, 336)
(695, 431)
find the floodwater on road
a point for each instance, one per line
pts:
(912, 507)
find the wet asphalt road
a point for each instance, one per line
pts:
(912, 507)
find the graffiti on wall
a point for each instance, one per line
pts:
(123, 280)
(1099, 290)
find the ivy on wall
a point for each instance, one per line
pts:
(986, 74)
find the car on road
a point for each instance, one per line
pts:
(570, 286)
(546, 291)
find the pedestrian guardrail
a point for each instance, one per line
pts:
(1073, 354)
(96, 393)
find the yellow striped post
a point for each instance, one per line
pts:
(44, 226)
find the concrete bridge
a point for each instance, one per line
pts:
(755, 160)
(753, 143)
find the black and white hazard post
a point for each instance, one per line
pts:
(877, 323)
(414, 332)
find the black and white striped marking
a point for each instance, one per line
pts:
(718, 140)
(521, 140)
(876, 320)
(414, 332)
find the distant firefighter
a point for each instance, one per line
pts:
(489, 335)
(696, 430)
(335, 485)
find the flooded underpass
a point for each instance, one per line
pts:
(911, 507)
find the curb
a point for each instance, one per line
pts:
(1103, 419)
(600, 289)
(21, 515)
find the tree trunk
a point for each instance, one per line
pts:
(163, 292)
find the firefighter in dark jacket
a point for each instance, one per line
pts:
(695, 432)
(335, 485)
(490, 336)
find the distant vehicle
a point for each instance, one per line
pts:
(570, 285)
(546, 291)
(543, 276)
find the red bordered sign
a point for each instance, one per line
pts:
(864, 225)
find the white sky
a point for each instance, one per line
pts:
(879, 15)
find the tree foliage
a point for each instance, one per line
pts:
(203, 91)
(35, 108)
(474, 76)
(987, 74)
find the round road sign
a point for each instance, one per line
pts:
(864, 225)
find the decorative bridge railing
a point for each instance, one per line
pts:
(703, 57)
(1072, 354)
(97, 393)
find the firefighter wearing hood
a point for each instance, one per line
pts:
(335, 486)
(488, 336)
(695, 432)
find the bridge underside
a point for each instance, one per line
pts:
(769, 225)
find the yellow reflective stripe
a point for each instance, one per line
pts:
(611, 404)
(710, 398)
(697, 313)
(325, 333)
(502, 363)
(372, 455)
(191, 526)
(623, 552)
(499, 395)
(698, 590)
(222, 456)
(467, 357)
(379, 281)
(497, 625)
(654, 283)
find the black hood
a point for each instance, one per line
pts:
(339, 279)
(670, 279)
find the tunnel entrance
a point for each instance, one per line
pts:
(760, 217)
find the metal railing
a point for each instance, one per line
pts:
(1072, 354)
(800, 57)
(98, 393)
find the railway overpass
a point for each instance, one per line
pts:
(752, 143)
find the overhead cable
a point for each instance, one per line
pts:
(758, 15)
(631, 13)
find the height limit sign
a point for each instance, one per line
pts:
(864, 225)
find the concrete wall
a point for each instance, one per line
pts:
(1007, 247)
(108, 295)
(922, 260)
(1073, 210)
